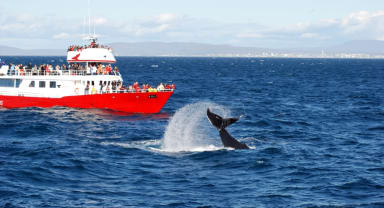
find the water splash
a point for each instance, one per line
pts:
(190, 130)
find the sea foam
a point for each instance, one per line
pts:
(190, 130)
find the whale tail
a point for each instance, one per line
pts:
(221, 123)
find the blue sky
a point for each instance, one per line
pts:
(275, 24)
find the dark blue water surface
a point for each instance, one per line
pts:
(316, 128)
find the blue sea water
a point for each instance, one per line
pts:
(315, 128)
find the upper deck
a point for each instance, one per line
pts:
(93, 52)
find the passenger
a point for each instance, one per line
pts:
(29, 68)
(86, 89)
(145, 88)
(63, 68)
(93, 90)
(105, 86)
(135, 85)
(13, 69)
(17, 69)
(93, 69)
(57, 70)
(22, 71)
(116, 70)
(46, 69)
(108, 69)
(119, 86)
(88, 69)
(103, 69)
(113, 86)
(34, 70)
(160, 87)
(151, 89)
(99, 69)
(101, 87)
(122, 88)
(42, 69)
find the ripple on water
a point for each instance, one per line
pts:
(315, 128)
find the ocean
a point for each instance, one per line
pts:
(315, 128)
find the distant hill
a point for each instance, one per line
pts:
(372, 47)
(179, 49)
(12, 51)
(6, 50)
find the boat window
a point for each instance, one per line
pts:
(42, 84)
(18, 82)
(10, 82)
(6, 82)
(32, 84)
(52, 84)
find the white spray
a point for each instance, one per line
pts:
(190, 130)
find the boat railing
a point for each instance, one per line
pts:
(58, 73)
(127, 91)
(143, 90)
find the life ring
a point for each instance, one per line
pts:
(77, 90)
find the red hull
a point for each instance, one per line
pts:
(141, 102)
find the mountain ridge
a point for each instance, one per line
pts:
(156, 48)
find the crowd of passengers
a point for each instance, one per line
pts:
(108, 87)
(92, 45)
(49, 69)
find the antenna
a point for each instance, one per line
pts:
(84, 23)
(94, 27)
(89, 18)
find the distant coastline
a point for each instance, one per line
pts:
(364, 49)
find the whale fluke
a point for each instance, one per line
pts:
(221, 123)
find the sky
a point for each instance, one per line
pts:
(53, 24)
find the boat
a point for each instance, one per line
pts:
(89, 80)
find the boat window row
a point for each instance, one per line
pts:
(43, 84)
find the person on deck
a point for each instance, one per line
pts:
(86, 90)
(93, 90)
(63, 67)
(57, 69)
(34, 70)
(160, 87)
(13, 69)
(99, 69)
(88, 69)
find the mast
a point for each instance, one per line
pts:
(91, 37)
(89, 18)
